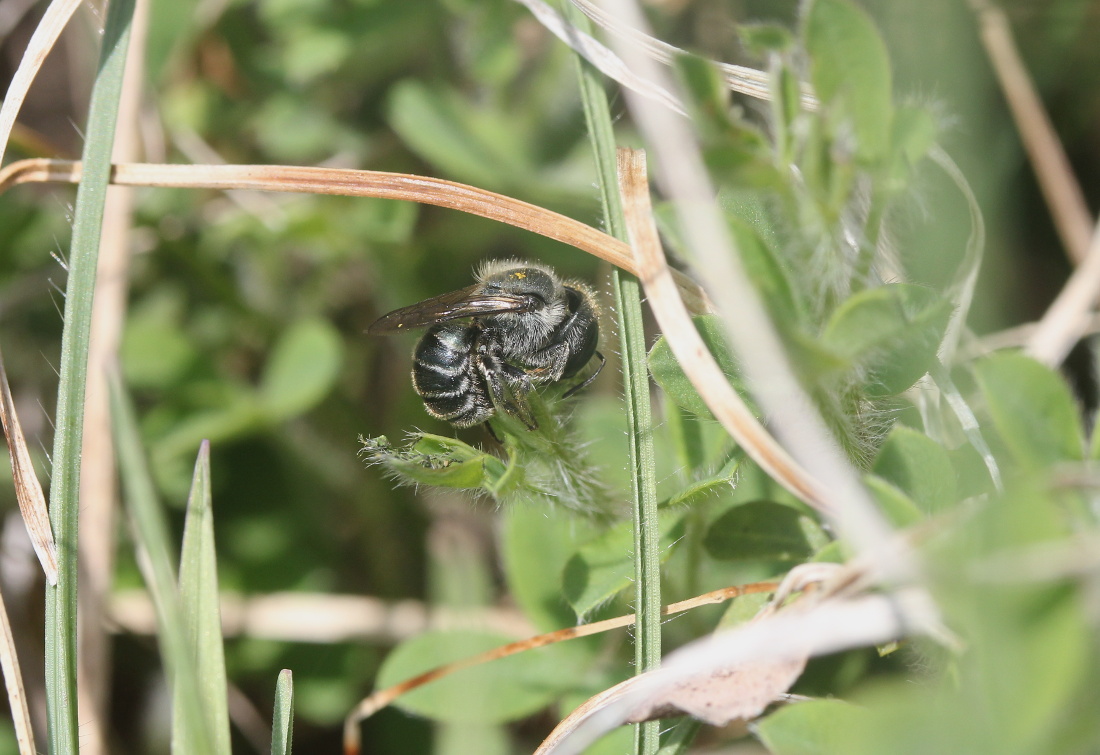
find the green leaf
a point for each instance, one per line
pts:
(758, 531)
(435, 460)
(670, 376)
(893, 331)
(446, 131)
(200, 603)
(914, 134)
(1032, 409)
(706, 489)
(817, 727)
(918, 466)
(150, 529)
(760, 39)
(707, 92)
(894, 503)
(604, 567)
(302, 369)
(535, 546)
(850, 71)
(282, 720)
(495, 692)
(743, 608)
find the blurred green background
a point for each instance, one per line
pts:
(247, 311)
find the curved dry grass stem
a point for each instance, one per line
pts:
(359, 183)
(13, 680)
(42, 41)
(742, 79)
(796, 421)
(380, 699)
(698, 363)
(28, 490)
(1063, 193)
(1067, 319)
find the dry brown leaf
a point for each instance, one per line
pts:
(28, 490)
(724, 695)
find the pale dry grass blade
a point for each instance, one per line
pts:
(741, 79)
(605, 61)
(1068, 317)
(360, 183)
(42, 41)
(13, 680)
(831, 625)
(28, 490)
(1063, 194)
(797, 423)
(688, 347)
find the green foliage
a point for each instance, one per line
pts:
(246, 329)
(505, 690)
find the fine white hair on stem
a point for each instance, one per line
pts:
(799, 426)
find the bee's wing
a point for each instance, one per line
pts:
(466, 302)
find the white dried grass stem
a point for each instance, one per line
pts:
(42, 41)
(599, 56)
(798, 425)
(319, 618)
(13, 681)
(690, 351)
(742, 79)
(1068, 317)
(828, 627)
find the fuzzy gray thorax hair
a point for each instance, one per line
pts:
(528, 330)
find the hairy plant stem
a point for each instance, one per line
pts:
(61, 600)
(647, 636)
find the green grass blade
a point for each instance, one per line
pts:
(642, 462)
(282, 724)
(61, 603)
(156, 560)
(199, 599)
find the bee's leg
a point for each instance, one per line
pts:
(549, 363)
(508, 387)
(588, 380)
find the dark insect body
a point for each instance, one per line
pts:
(491, 344)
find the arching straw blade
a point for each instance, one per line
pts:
(28, 490)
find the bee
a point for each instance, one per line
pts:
(489, 345)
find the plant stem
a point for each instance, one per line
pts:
(647, 636)
(61, 600)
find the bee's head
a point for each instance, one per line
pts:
(534, 283)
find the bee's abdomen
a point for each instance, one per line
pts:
(446, 376)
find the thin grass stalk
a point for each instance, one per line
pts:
(98, 494)
(282, 721)
(61, 600)
(155, 558)
(1068, 208)
(642, 460)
